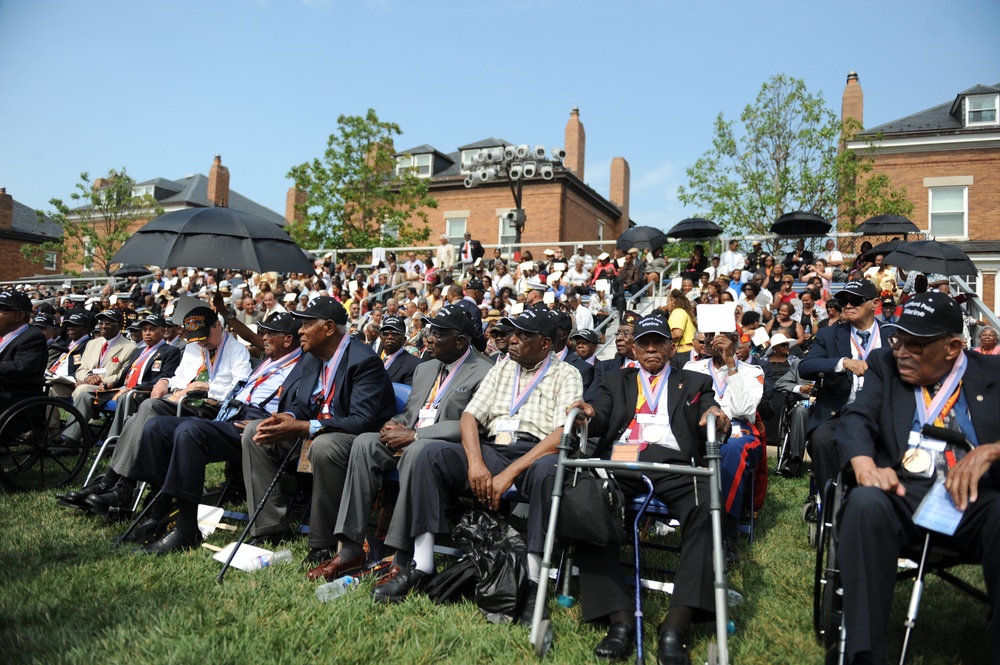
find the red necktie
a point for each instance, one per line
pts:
(104, 349)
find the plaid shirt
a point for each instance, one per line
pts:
(545, 409)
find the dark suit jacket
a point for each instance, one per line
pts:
(73, 360)
(364, 398)
(828, 347)
(689, 395)
(161, 365)
(25, 357)
(878, 423)
(460, 391)
(586, 369)
(600, 367)
(402, 368)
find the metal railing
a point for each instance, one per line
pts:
(975, 307)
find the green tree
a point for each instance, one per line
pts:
(354, 197)
(786, 157)
(98, 223)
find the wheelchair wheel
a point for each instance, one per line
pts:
(827, 591)
(35, 453)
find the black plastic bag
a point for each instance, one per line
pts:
(455, 582)
(499, 555)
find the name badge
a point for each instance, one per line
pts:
(97, 371)
(157, 364)
(428, 414)
(507, 424)
(936, 445)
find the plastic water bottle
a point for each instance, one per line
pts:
(270, 559)
(335, 589)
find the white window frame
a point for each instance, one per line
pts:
(422, 165)
(50, 261)
(502, 225)
(982, 123)
(965, 213)
(454, 218)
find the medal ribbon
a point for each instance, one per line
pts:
(520, 396)
(12, 335)
(329, 378)
(212, 365)
(388, 361)
(72, 347)
(873, 343)
(936, 409)
(262, 374)
(720, 386)
(136, 370)
(646, 387)
(437, 394)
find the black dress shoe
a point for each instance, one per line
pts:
(76, 498)
(791, 469)
(618, 643)
(175, 541)
(316, 556)
(395, 590)
(671, 650)
(116, 501)
(528, 610)
(145, 532)
(270, 539)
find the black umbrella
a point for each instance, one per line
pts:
(800, 223)
(694, 228)
(214, 238)
(130, 270)
(882, 248)
(931, 256)
(887, 225)
(642, 237)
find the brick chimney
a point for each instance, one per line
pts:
(620, 181)
(295, 197)
(853, 104)
(576, 143)
(6, 209)
(100, 183)
(218, 184)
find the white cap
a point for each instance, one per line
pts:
(779, 338)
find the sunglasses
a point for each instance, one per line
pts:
(853, 301)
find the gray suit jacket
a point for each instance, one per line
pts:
(118, 358)
(456, 398)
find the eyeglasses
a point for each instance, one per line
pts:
(853, 301)
(627, 334)
(438, 333)
(913, 346)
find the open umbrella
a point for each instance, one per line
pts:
(694, 228)
(214, 238)
(931, 256)
(887, 225)
(801, 223)
(130, 270)
(882, 248)
(642, 237)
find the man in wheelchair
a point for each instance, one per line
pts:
(23, 352)
(925, 377)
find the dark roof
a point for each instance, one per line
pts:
(946, 117)
(485, 143)
(978, 246)
(26, 221)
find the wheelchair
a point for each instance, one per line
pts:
(828, 594)
(35, 453)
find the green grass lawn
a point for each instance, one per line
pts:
(67, 597)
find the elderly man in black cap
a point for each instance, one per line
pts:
(22, 346)
(500, 334)
(442, 388)
(655, 414)
(564, 326)
(586, 345)
(838, 360)
(174, 451)
(397, 361)
(924, 377)
(343, 390)
(52, 331)
(78, 326)
(212, 362)
(510, 431)
(105, 359)
(624, 354)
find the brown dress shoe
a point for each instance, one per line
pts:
(392, 573)
(337, 567)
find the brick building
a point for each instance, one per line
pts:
(948, 158)
(19, 226)
(198, 191)
(562, 209)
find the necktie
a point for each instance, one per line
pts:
(864, 335)
(631, 363)
(104, 350)
(642, 407)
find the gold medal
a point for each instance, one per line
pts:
(916, 460)
(503, 439)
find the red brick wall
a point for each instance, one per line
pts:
(13, 265)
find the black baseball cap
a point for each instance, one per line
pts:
(198, 322)
(44, 321)
(324, 307)
(535, 321)
(653, 324)
(151, 320)
(282, 322)
(15, 300)
(110, 314)
(587, 335)
(79, 317)
(562, 320)
(393, 323)
(630, 318)
(858, 287)
(452, 317)
(929, 314)
(474, 285)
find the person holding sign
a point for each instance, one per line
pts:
(923, 378)
(510, 431)
(653, 413)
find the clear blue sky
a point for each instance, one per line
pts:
(161, 87)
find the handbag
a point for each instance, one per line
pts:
(592, 509)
